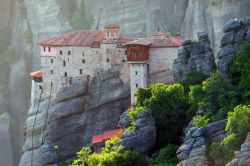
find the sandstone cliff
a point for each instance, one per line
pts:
(25, 22)
(75, 114)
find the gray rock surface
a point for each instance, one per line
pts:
(194, 56)
(236, 32)
(6, 155)
(242, 157)
(76, 114)
(194, 150)
(143, 138)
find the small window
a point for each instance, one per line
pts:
(51, 72)
(61, 52)
(64, 63)
(136, 85)
(49, 49)
(126, 52)
(136, 73)
(65, 74)
(123, 61)
(68, 59)
(83, 60)
(51, 60)
(108, 60)
(44, 48)
(69, 52)
(80, 71)
(83, 54)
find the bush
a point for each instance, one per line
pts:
(201, 121)
(239, 71)
(238, 125)
(216, 97)
(239, 120)
(193, 78)
(165, 157)
(169, 116)
(110, 156)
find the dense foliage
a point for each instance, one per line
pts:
(215, 98)
(240, 71)
(110, 156)
(238, 125)
(164, 157)
(166, 112)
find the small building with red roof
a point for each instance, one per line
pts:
(98, 141)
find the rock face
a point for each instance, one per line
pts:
(242, 157)
(143, 138)
(194, 56)
(194, 151)
(6, 155)
(237, 31)
(76, 114)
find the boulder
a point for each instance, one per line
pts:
(143, 138)
(232, 25)
(194, 56)
(242, 157)
(237, 31)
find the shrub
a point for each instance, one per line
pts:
(141, 95)
(165, 156)
(110, 156)
(169, 116)
(238, 121)
(216, 96)
(193, 78)
(201, 121)
(239, 71)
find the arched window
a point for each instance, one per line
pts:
(69, 52)
(49, 49)
(64, 63)
(83, 60)
(108, 60)
(51, 60)
(80, 71)
(61, 52)
(65, 74)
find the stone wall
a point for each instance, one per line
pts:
(91, 61)
(194, 56)
(160, 64)
(237, 31)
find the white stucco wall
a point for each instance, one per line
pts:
(139, 77)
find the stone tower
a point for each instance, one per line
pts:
(138, 57)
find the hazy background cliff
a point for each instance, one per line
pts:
(26, 22)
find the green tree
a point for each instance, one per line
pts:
(239, 71)
(110, 156)
(169, 116)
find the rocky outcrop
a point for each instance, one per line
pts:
(242, 157)
(237, 31)
(194, 150)
(6, 155)
(77, 113)
(144, 128)
(194, 56)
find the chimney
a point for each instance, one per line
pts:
(112, 31)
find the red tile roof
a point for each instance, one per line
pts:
(112, 26)
(76, 38)
(105, 136)
(37, 74)
(122, 39)
(86, 38)
(164, 41)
